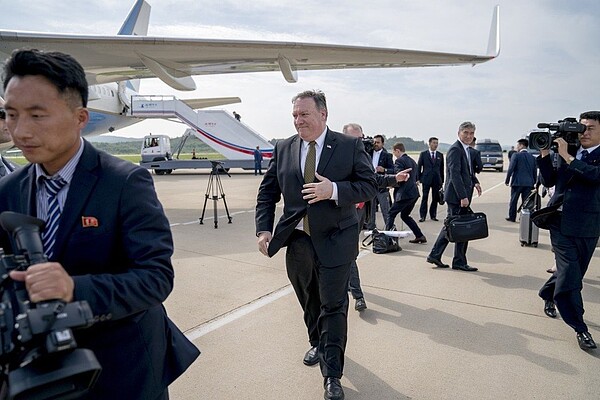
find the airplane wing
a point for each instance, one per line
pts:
(176, 60)
(210, 102)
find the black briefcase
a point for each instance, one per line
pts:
(466, 226)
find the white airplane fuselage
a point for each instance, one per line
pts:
(108, 104)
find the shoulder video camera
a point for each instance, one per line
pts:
(568, 129)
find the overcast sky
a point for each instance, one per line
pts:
(547, 68)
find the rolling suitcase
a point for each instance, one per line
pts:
(528, 231)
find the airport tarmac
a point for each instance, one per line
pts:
(427, 333)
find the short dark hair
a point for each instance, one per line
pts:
(62, 70)
(380, 137)
(595, 115)
(399, 146)
(317, 96)
(523, 142)
(431, 139)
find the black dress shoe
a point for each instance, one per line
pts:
(420, 239)
(549, 308)
(434, 219)
(510, 219)
(585, 341)
(421, 219)
(437, 262)
(360, 305)
(333, 389)
(464, 268)
(311, 357)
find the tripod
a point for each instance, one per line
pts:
(214, 190)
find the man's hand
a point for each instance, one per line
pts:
(403, 175)
(314, 192)
(478, 188)
(380, 169)
(464, 202)
(46, 281)
(264, 238)
(563, 148)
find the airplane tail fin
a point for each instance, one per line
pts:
(137, 20)
(494, 41)
(136, 24)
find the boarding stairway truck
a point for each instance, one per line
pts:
(233, 139)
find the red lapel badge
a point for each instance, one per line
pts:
(88, 222)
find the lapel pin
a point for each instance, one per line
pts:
(88, 222)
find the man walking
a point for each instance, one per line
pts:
(258, 157)
(574, 230)
(460, 181)
(322, 175)
(383, 163)
(405, 195)
(521, 176)
(430, 173)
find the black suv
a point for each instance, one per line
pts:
(491, 154)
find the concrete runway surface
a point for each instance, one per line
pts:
(427, 333)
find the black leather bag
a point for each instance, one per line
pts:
(382, 243)
(441, 200)
(543, 218)
(466, 226)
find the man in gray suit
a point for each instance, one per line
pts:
(521, 175)
(322, 174)
(460, 181)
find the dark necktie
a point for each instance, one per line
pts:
(53, 186)
(309, 174)
(584, 155)
(432, 157)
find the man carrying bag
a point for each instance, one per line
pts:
(460, 182)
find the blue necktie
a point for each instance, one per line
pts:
(584, 155)
(53, 186)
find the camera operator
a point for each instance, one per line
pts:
(574, 230)
(107, 238)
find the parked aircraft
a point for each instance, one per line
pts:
(114, 64)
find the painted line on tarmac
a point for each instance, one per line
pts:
(237, 313)
(244, 310)
(492, 188)
(207, 218)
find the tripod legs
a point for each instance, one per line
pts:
(214, 190)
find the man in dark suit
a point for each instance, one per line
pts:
(322, 175)
(460, 181)
(405, 195)
(521, 176)
(113, 244)
(383, 164)
(430, 173)
(574, 230)
(476, 157)
(6, 166)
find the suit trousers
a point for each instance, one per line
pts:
(354, 282)
(515, 193)
(435, 198)
(323, 296)
(460, 249)
(404, 207)
(572, 256)
(383, 198)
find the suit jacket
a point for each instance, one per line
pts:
(578, 184)
(406, 190)
(522, 170)
(387, 162)
(459, 179)
(6, 167)
(476, 160)
(333, 226)
(429, 172)
(121, 267)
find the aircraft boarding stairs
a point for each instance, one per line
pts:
(217, 128)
